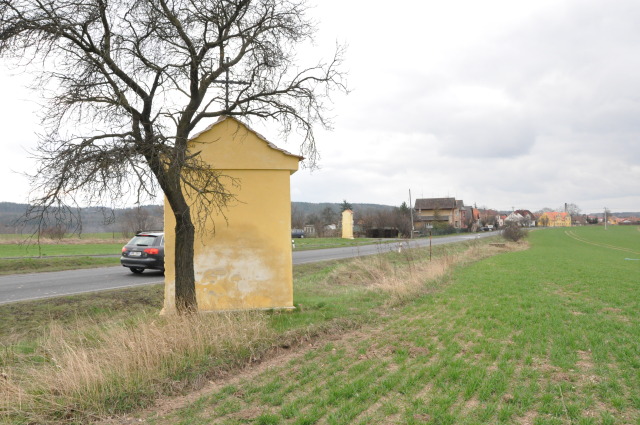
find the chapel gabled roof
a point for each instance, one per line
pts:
(258, 135)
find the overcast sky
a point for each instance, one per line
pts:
(504, 104)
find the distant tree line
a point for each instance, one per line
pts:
(121, 221)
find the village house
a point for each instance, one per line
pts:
(309, 230)
(528, 217)
(554, 219)
(514, 218)
(579, 220)
(430, 211)
(629, 221)
(524, 218)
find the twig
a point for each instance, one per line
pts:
(564, 405)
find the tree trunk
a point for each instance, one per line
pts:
(185, 279)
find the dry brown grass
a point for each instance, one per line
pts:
(410, 275)
(90, 371)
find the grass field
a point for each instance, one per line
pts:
(12, 245)
(11, 237)
(26, 256)
(545, 336)
(17, 250)
(549, 335)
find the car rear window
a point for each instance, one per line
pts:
(143, 240)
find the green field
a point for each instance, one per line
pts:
(13, 245)
(548, 335)
(545, 336)
(101, 236)
(16, 250)
(19, 255)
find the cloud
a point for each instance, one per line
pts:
(533, 111)
(501, 103)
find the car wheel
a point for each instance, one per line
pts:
(136, 270)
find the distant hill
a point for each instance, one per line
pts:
(151, 217)
(10, 214)
(93, 219)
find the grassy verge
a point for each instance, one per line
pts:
(305, 244)
(110, 358)
(32, 265)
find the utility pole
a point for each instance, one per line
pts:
(605, 218)
(411, 213)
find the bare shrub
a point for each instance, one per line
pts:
(138, 219)
(514, 233)
(401, 276)
(56, 232)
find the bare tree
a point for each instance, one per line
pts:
(316, 222)
(488, 216)
(544, 220)
(402, 219)
(329, 216)
(137, 219)
(128, 81)
(298, 217)
(573, 209)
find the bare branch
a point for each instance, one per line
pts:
(127, 82)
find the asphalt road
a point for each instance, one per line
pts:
(23, 287)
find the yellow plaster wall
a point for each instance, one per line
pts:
(247, 263)
(347, 224)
